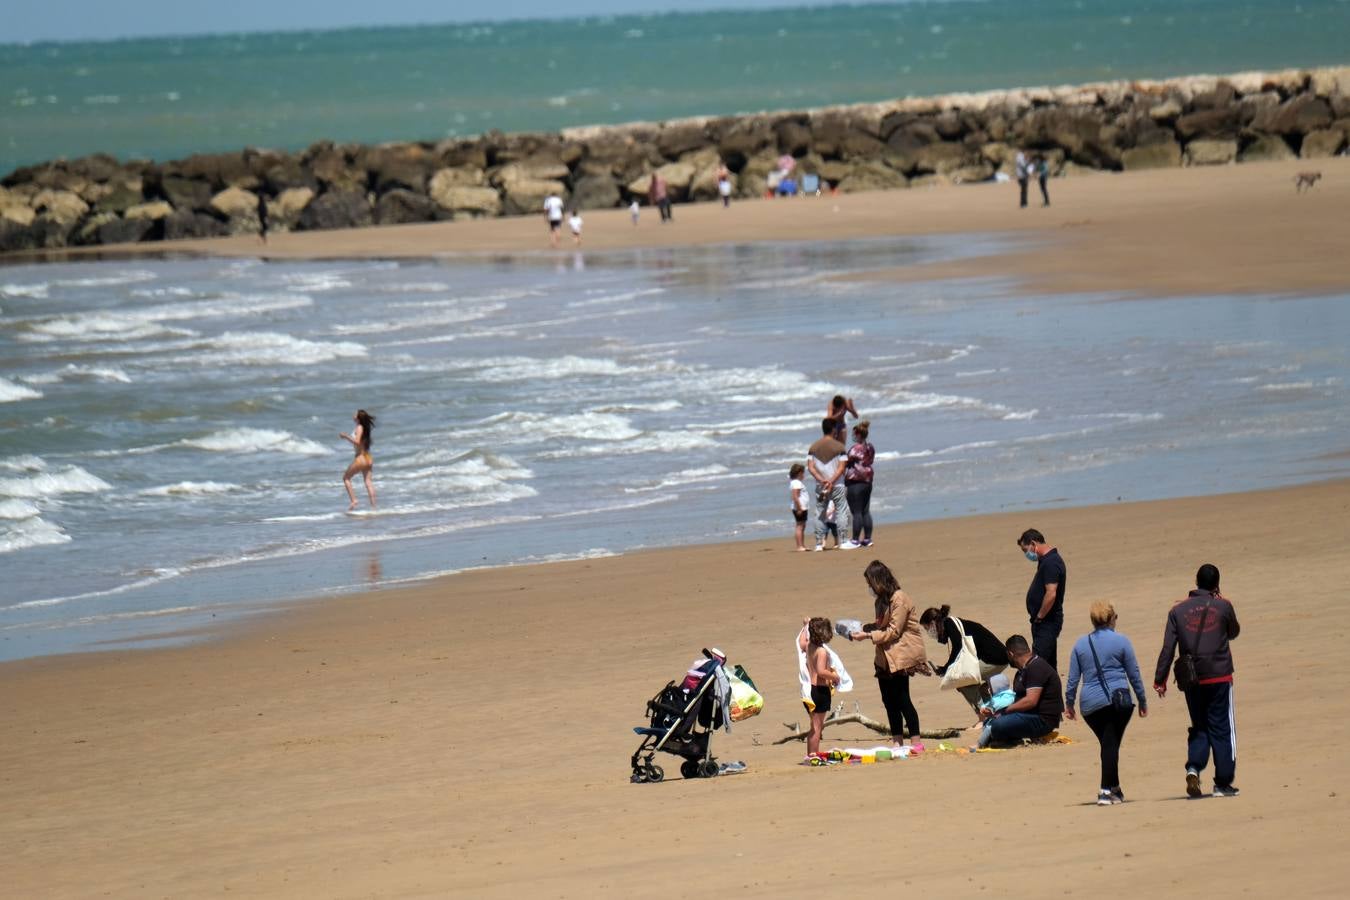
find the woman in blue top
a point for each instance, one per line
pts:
(1104, 662)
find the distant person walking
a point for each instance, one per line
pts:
(825, 460)
(1042, 176)
(1201, 626)
(553, 212)
(900, 653)
(1045, 596)
(262, 218)
(1104, 662)
(1022, 169)
(574, 223)
(724, 184)
(658, 194)
(858, 486)
(363, 464)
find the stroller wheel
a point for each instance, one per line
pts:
(707, 769)
(689, 768)
(655, 774)
(639, 776)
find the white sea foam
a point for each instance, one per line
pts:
(525, 368)
(12, 393)
(25, 463)
(32, 291)
(436, 319)
(52, 483)
(1021, 415)
(266, 348)
(256, 440)
(608, 299)
(651, 442)
(657, 406)
(72, 372)
(525, 428)
(17, 509)
(190, 489)
(147, 321)
(135, 276)
(30, 532)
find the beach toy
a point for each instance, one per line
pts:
(868, 759)
(883, 753)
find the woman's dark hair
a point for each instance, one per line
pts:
(367, 422)
(1207, 578)
(860, 429)
(933, 614)
(838, 402)
(819, 631)
(882, 582)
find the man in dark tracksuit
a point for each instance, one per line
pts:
(1202, 625)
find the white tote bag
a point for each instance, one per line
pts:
(966, 670)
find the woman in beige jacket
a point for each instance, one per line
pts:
(900, 650)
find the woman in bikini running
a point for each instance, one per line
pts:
(360, 439)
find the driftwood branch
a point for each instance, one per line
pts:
(837, 717)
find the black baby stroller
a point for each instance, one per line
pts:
(683, 718)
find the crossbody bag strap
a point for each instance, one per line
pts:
(1204, 617)
(1101, 678)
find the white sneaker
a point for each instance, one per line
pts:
(819, 548)
(849, 545)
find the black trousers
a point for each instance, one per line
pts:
(1045, 194)
(1109, 726)
(664, 206)
(1022, 183)
(859, 507)
(900, 709)
(1044, 638)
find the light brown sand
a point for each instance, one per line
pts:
(470, 738)
(1221, 229)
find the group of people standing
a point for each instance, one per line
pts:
(1104, 680)
(843, 482)
(1025, 168)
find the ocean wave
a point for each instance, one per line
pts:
(133, 324)
(31, 291)
(523, 427)
(657, 406)
(190, 489)
(53, 483)
(84, 373)
(134, 276)
(526, 368)
(430, 320)
(256, 440)
(608, 299)
(646, 442)
(17, 509)
(12, 393)
(266, 348)
(30, 532)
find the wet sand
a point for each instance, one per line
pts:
(470, 737)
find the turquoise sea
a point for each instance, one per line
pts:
(169, 97)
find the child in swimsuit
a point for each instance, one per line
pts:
(818, 633)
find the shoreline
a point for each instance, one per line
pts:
(470, 737)
(1230, 229)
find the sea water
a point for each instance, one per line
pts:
(169, 446)
(166, 98)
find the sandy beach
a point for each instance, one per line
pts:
(1237, 228)
(470, 737)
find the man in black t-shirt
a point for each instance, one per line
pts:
(1045, 597)
(1040, 698)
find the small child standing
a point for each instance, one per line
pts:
(817, 634)
(797, 491)
(574, 223)
(634, 210)
(1001, 697)
(831, 526)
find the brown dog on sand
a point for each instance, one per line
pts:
(1305, 180)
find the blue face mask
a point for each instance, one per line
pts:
(1031, 555)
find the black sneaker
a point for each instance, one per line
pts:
(1104, 798)
(1117, 795)
(1226, 790)
(1193, 784)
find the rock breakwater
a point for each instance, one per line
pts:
(955, 138)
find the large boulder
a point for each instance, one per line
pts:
(1206, 152)
(239, 209)
(124, 231)
(286, 173)
(98, 167)
(1327, 82)
(15, 237)
(220, 170)
(794, 136)
(971, 173)
(1322, 143)
(1253, 105)
(941, 159)
(595, 192)
(468, 200)
(459, 175)
(537, 168)
(397, 166)
(284, 211)
(401, 206)
(153, 211)
(335, 170)
(1220, 122)
(121, 196)
(86, 233)
(185, 193)
(1154, 156)
(336, 209)
(14, 208)
(527, 196)
(1165, 112)
(1266, 147)
(871, 176)
(63, 207)
(1297, 115)
(677, 138)
(188, 223)
(745, 137)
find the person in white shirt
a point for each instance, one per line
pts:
(1022, 169)
(800, 504)
(574, 223)
(553, 210)
(634, 210)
